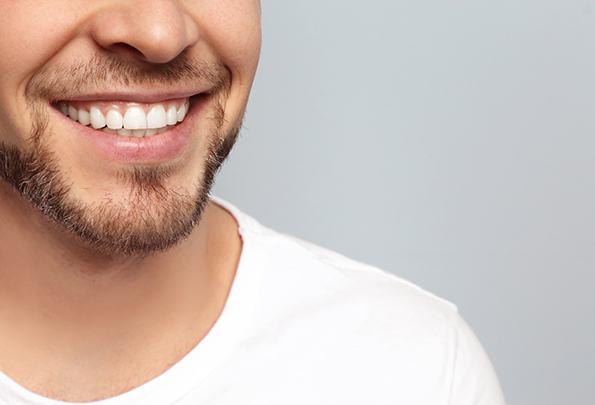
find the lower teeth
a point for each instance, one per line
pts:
(137, 132)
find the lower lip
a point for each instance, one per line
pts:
(158, 148)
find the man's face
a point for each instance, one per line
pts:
(115, 115)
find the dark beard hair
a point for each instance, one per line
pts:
(156, 217)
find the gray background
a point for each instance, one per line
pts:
(452, 143)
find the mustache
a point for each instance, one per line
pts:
(107, 71)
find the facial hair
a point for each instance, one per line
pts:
(155, 217)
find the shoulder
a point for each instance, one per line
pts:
(300, 275)
(401, 329)
(362, 292)
(360, 323)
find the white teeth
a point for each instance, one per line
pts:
(157, 117)
(182, 113)
(135, 118)
(84, 117)
(172, 115)
(97, 118)
(113, 119)
(134, 122)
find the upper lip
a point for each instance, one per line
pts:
(143, 96)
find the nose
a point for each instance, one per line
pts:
(156, 31)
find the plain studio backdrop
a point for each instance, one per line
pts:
(451, 142)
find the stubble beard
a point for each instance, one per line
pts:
(154, 217)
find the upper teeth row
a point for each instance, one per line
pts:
(134, 118)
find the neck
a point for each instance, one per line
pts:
(65, 306)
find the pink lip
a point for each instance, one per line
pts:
(158, 148)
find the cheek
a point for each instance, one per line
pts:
(232, 28)
(31, 32)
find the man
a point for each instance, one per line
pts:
(122, 281)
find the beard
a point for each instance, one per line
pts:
(154, 217)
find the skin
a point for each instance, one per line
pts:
(77, 324)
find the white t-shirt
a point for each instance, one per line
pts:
(305, 325)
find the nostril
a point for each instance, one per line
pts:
(125, 49)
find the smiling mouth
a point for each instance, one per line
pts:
(128, 118)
